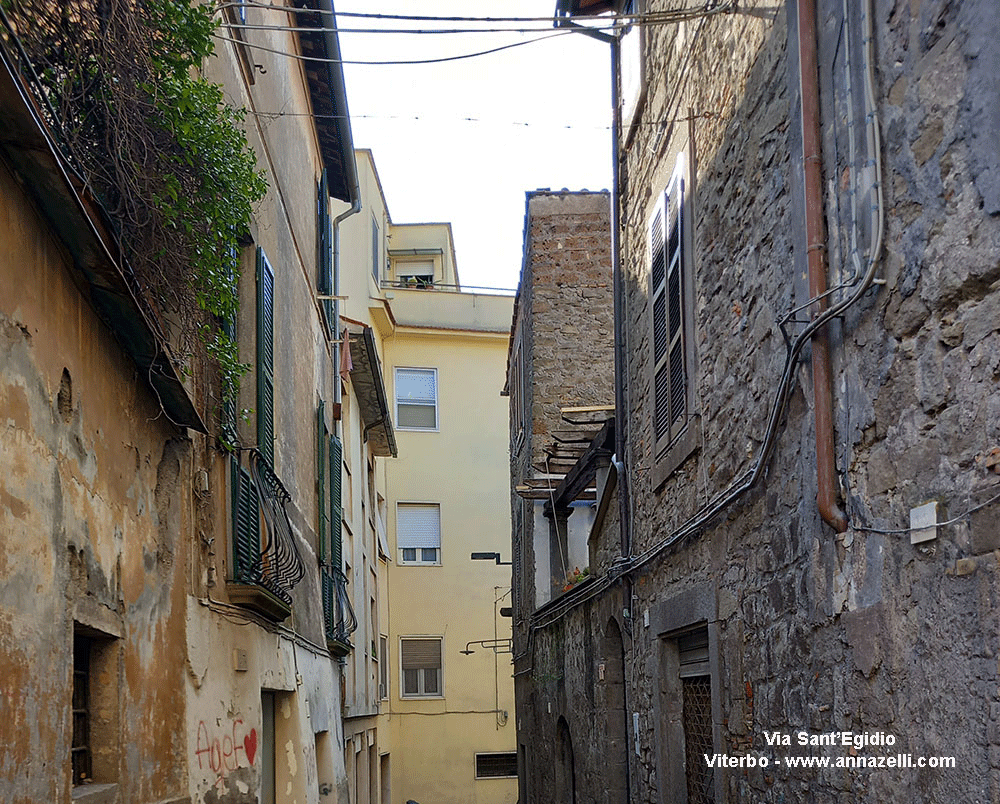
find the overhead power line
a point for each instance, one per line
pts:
(652, 17)
(387, 63)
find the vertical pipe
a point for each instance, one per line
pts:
(826, 472)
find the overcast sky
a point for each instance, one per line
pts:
(541, 115)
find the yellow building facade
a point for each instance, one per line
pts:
(440, 645)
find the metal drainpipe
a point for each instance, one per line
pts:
(624, 522)
(826, 470)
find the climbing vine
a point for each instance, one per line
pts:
(159, 148)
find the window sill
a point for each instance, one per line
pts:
(674, 456)
(95, 793)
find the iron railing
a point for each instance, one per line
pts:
(338, 614)
(269, 557)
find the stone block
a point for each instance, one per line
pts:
(984, 528)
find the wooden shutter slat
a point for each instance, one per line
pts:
(336, 502)
(265, 357)
(321, 501)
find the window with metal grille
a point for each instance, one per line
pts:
(80, 748)
(420, 662)
(696, 694)
(418, 533)
(496, 766)
(416, 398)
(94, 707)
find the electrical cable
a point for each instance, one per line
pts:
(708, 9)
(953, 521)
(745, 482)
(399, 63)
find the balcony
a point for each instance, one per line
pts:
(338, 615)
(266, 562)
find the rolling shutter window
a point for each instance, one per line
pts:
(418, 532)
(666, 247)
(416, 398)
(421, 666)
(265, 357)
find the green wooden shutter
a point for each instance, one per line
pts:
(265, 357)
(324, 511)
(246, 521)
(336, 509)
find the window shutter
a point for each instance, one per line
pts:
(246, 521)
(321, 504)
(336, 502)
(692, 652)
(421, 654)
(658, 295)
(666, 248)
(418, 525)
(324, 262)
(265, 357)
(675, 294)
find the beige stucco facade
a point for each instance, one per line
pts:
(198, 683)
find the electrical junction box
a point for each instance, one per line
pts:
(923, 523)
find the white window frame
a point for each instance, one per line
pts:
(437, 417)
(440, 670)
(418, 559)
(632, 69)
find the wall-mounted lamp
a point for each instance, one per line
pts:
(488, 557)
(496, 645)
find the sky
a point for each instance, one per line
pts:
(541, 114)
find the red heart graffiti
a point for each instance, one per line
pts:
(250, 745)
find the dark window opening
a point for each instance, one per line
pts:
(494, 766)
(80, 749)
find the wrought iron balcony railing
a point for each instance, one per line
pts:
(338, 614)
(264, 556)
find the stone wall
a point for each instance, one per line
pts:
(563, 332)
(809, 630)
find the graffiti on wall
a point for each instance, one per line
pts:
(219, 751)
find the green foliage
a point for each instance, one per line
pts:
(212, 150)
(162, 151)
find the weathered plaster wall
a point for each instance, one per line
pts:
(93, 508)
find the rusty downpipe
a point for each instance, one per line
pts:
(812, 169)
